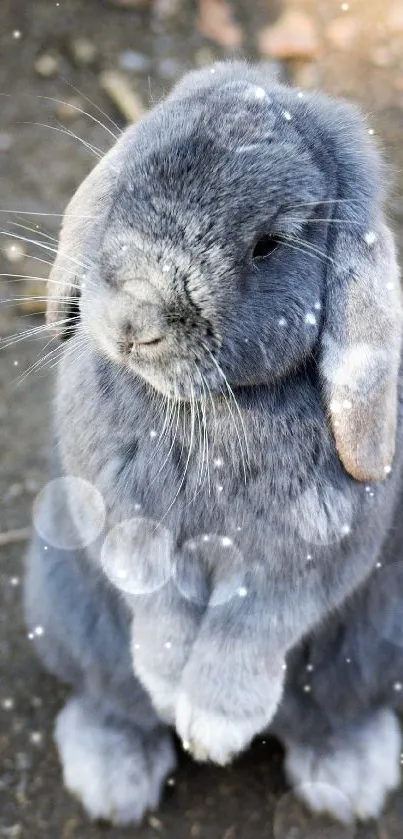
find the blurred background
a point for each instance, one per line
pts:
(73, 73)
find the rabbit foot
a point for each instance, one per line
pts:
(116, 772)
(352, 777)
(213, 737)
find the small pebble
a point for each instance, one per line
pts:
(169, 68)
(83, 51)
(134, 62)
(6, 142)
(69, 110)
(47, 65)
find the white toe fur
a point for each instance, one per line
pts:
(116, 773)
(213, 737)
(352, 777)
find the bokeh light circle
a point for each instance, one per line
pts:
(69, 513)
(137, 556)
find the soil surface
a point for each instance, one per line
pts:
(361, 56)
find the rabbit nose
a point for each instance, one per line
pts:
(145, 329)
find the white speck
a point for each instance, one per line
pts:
(300, 94)
(165, 269)
(287, 115)
(260, 93)
(220, 488)
(171, 782)
(16, 363)
(246, 340)
(347, 404)
(137, 507)
(370, 237)
(309, 668)
(387, 470)
(282, 322)
(212, 70)
(218, 462)
(309, 556)
(345, 7)
(378, 565)
(206, 538)
(7, 704)
(348, 660)
(121, 573)
(368, 489)
(335, 406)
(390, 286)
(284, 667)
(17, 34)
(398, 687)
(30, 636)
(137, 646)
(45, 547)
(36, 737)
(168, 645)
(317, 306)
(371, 494)
(310, 318)
(242, 592)
(124, 248)
(39, 630)
(14, 581)
(307, 688)
(371, 131)
(153, 434)
(226, 542)
(345, 529)
(83, 284)
(185, 743)
(239, 528)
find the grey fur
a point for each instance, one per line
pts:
(309, 341)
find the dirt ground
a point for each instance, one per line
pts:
(360, 55)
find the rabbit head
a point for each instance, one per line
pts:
(237, 233)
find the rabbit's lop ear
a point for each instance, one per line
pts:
(361, 347)
(89, 205)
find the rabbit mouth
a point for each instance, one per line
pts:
(184, 380)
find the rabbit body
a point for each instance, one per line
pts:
(253, 454)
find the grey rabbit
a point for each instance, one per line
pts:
(229, 396)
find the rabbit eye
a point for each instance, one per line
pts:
(264, 247)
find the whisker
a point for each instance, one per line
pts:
(232, 395)
(85, 113)
(186, 464)
(21, 278)
(308, 247)
(93, 104)
(44, 246)
(95, 151)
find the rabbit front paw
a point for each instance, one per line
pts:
(217, 736)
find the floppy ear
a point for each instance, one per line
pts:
(361, 346)
(89, 205)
